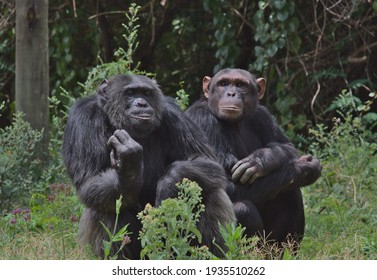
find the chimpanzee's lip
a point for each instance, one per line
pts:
(142, 116)
(230, 108)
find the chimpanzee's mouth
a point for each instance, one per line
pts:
(142, 116)
(230, 108)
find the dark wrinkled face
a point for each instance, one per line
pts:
(133, 103)
(232, 94)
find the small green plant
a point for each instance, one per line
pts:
(239, 246)
(182, 98)
(124, 62)
(169, 230)
(347, 103)
(132, 28)
(115, 237)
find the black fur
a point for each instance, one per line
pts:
(109, 152)
(270, 203)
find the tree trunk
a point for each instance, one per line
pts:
(32, 75)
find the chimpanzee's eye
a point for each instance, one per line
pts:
(127, 91)
(223, 83)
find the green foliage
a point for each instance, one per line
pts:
(239, 246)
(72, 46)
(341, 205)
(276, 28)
(349, 103)
(350, 156)
(169, 229)
(225, 32)
(55, 171)
(18, 167)
(120, 236)
(130, 35)
(276, 35)
(57, 209)
(47, 229)
(6, 66)
(61, 56)
(124, 59)
(374, 6)
(182, 98)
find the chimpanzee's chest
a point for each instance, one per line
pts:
(155, 165)
(243, 141)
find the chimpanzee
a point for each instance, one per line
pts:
(264, 166)
(130, 139)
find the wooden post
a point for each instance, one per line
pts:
(32, 66)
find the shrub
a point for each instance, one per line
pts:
(169, 229)
(18, 167)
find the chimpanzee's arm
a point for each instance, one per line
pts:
(262, 162)
(295, 174)
(87, 157)
(276, 150)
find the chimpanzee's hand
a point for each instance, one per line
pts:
(310, 169)
(256, 165)
(125, 151)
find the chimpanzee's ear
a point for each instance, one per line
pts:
(206, 81)
(102, 88)
(102, 93)
(261, 83)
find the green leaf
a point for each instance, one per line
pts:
(296, 43)
(282, 15)
(370, 117)
(106, 229)
(262, 5)
(279, 4)
(293, 24)
(374, 5)
(118, 204)
(281, 43)
(197, 233)
(272, 50)
(106, 247)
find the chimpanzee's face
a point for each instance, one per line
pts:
(133, 103)
(232, 94)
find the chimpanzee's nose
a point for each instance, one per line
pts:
(140, 102)
(231, 93)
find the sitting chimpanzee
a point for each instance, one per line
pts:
(129, 139)
(263, 164)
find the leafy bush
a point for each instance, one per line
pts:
(169, 232)
(18, 167)
(169, 229)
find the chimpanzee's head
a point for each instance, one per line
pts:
(133, 103)
(233, 93)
